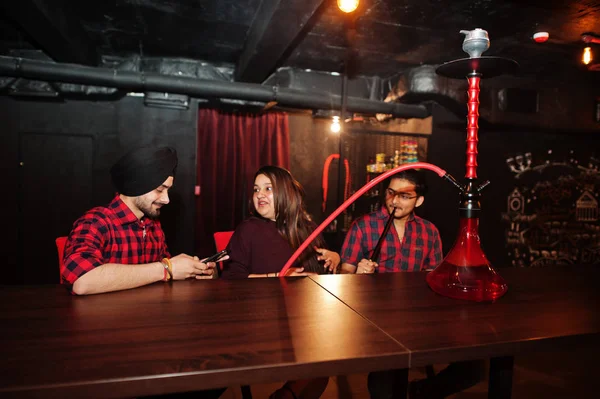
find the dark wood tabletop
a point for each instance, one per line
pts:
(196, 335)
(188, 335)
(543, 308)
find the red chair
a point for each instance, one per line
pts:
(60, 246)
(221, 240)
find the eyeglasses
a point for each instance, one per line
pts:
(403, 196)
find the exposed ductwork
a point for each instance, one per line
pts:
(370, 87)
(199, 88)
(422, 84)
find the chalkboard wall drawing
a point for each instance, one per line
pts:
(552, 214)
(519, 163)
(587, 208)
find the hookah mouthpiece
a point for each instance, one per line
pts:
(476, 42)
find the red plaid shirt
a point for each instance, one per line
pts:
(112, 234)
(420, 249)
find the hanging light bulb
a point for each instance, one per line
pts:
(335, 125)
(347, 6)
(587, 55)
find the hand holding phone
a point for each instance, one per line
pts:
(216, 257)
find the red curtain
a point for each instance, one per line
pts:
(231, 148)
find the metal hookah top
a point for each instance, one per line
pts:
(476, 42)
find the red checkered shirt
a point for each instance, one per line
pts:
(420, 249)
(112, 234)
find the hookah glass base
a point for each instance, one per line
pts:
(474, 283)
(466, 273)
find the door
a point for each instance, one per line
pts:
(55, 188)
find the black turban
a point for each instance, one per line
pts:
(143, 169)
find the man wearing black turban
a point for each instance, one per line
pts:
(139, 172)
(143, 169)
(122, 245)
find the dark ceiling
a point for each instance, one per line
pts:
(255, 37)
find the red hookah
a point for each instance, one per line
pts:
(465, 273)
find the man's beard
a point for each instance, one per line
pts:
(151, 214)
(147, 209)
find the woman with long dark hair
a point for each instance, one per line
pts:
(262, 244)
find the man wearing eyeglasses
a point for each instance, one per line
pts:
(411, 244)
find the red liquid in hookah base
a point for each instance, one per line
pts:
(474, 283)
(466, 273)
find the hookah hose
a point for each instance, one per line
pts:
(325, 184)
(355, 196)
(377, 249)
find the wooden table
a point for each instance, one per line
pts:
(196, 335)
(543, 309)
(190, 335)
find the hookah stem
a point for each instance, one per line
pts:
(417, 165)
(472, 125)
(377, 249)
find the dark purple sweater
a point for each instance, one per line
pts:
(256, 247)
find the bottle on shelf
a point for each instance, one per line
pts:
(412, 153)
(404, 152)
(380, 163)
(396, 158)
(371, 166)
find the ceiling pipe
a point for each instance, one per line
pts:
(142, 82)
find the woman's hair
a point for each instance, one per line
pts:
(292, 221)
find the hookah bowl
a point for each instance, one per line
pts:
(465, 272)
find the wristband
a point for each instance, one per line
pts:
(168, 267)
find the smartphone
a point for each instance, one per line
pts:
(216, 257)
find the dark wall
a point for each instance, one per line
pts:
(567, 105)
(496, 145)
(311, 142)
(58, 155)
